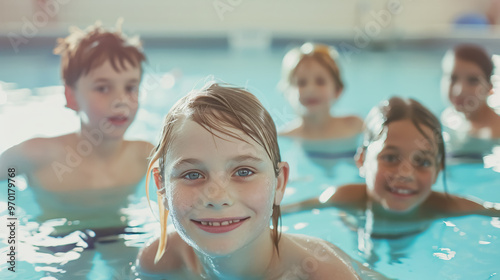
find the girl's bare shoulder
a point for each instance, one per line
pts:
(172, 260)
(306, 257)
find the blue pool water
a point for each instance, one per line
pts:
(457, 248)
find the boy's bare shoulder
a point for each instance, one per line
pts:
(307, 257)
(142, 149)
(175, 258)
(40, 150)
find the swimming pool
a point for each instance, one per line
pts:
(458, 248)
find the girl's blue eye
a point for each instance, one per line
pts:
(244, 172)
(192, 176)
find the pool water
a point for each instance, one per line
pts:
(455, 248)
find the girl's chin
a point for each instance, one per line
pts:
(399, 209)
(215, 252)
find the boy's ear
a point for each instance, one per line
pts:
(69, 93)
(359, 157)
(158, 178)
(282, 181)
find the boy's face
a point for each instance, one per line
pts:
(105, 99)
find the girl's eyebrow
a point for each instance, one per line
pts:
(101, 80)
(237, 159)
(242, 158)
(390, 147)
(133, 80)
(179, 162)
(430, 152)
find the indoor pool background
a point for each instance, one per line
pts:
(32, 104)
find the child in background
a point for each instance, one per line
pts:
(86, 177)
(312, 72)
(402, 155)
(312, 82)
(221, 180)
(471, 125)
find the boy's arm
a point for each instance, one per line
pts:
(451, 205)
(11, 158)
(23, 157)
(348, 196)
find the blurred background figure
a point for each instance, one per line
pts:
(472, 125)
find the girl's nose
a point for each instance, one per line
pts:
(217, 195)
(405, 171)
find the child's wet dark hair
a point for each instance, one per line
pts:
(397, 109)
(476, 55)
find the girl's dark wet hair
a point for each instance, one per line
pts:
(475, 54)
(397, 109)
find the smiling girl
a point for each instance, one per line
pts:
(221, 180)
(401, 158)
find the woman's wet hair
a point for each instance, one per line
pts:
(218, 107)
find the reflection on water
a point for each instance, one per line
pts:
(106, 253)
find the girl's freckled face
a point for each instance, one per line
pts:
(226, 179)
(401, 166)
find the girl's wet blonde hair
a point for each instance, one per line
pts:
(217, 107)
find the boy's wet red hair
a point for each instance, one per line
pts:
(83, 50)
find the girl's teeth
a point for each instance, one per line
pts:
(217, 224)
(401, 191)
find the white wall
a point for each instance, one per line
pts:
(198, 18)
